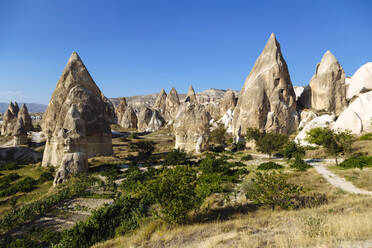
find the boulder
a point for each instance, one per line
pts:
(20, 133)
(144, 118)
(156, 122)
(129, 118)
(72, 164)
(360, 82)
(267, 100)
(9, 119)
(77, 118)
(328, 88)
(191, 97)
(306, 116)
(320, 121)
(357, 116)
(160, 103)
(120, 109)
(191, 128)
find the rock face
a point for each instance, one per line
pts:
(10, 119)
(357, 116)
(20, 133)
(26, 118)
(303, 96)
(321, 121)
(191, 128)
(191, 97)
(120, 109)
(129, 118)
(228, 101)
(306, 117)
(267, 100)
(172, 103)
(76, 122)
(160, 103)
(156, 122)
(227, 120)
(328, 88)
(144, 118)
(360, 82)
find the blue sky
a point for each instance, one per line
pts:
(138, 47)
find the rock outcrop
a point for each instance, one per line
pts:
(320, 121)
(306, 116)
(360, 82)
(228, 101)
(172, 103)
(156, 122)
(191, 97)
(76, 122)
(267, 100)
(328, 88)
(357, 116)
(10, 119)
(191, 128)
(160, 103)
(303, 96)
(227, 121)
(144, 118)
(19, 133)
(120, 109)
(26, 118)
(129, 118)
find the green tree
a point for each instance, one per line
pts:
(144, 148)
(267, 143)
(335, 143)
(293, 150)
(272, 189)
(218, 135)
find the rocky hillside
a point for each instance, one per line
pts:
(32, 107)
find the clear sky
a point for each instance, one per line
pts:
(138, 47)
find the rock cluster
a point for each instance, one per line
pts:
(76, 122)
(267, 100)
(191, 128)
(10, 119)
(328, 88)
(360, 82)
(191, 96)
(160, 103)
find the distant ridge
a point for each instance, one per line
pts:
(32, 107)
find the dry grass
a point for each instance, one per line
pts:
(360, 178)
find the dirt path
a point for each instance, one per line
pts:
(337, 181)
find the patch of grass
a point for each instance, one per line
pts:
(367, 136)
(357, 162)
(246, 157)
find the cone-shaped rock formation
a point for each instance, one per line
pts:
(160, 103)
(191, 97)
(267, 100)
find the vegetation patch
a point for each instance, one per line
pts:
(269, 166)
(357, 162)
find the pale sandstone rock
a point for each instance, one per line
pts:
(303, 96)
(306, 117)
(360, 82)
(320, 121)
(191, 97)
(172, 103)
(77, 119)
(144, 118)
(72, 164)
(227, 120)
(191, 128)
(228, 101)
(120, 109)
(156, 122)
(160, 103)
(9, 119)
(129, 118)
(328, 88)
(267, 100)
(26, 118)
(19, 133)
(357, 116)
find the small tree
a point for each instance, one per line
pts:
(218, 135)
(272, 189)
(335, 143)
(267, 143)
(144, 148)
(293, 150)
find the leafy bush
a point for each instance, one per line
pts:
(357, 162)
(175, 191)
(102, 224)
(218, 135)
(144, 148)
(367, 136)
(269, 166)
(176, 157)
(135, 177)
(299, 164)
(111, 172)
(45, 177)
(246, 157)
(25, 185)
(272, 189)
(8, 179)
(293, 150)
(217, 149)
(9, 166)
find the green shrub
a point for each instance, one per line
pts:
(209, 183)
(134, 178)
(299, 164)
(144, 148)
(272, 189)
(5, 181)
(269, 166)
(218, 135)
(9, 166)
(246, 157)
(176, 157)
(357, 162)
(293, 150)
(367, 136)
(217, 149)
(111, 171)
(45, 177)
(25, 185)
